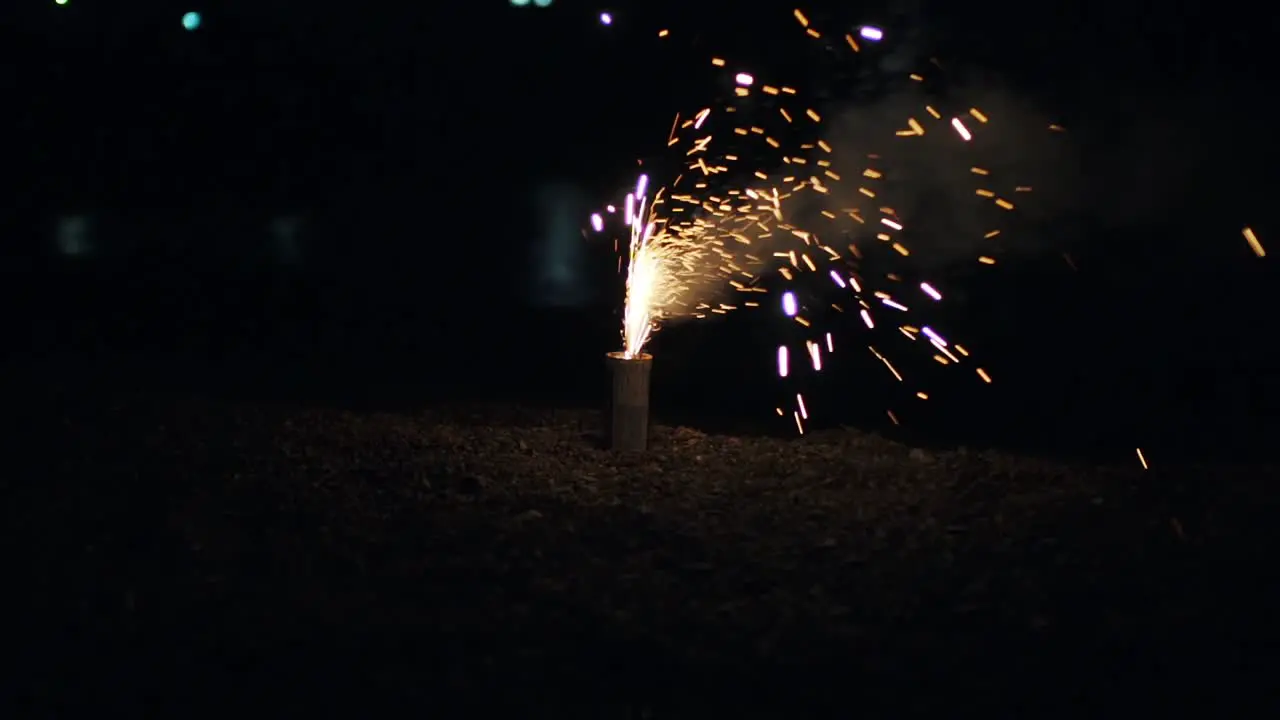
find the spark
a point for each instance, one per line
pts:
(789, 304)
(1254, 243)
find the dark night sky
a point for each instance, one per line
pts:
(447, 110)
(441, 154)
(258, 70)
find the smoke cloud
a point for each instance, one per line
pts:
(1139, 160)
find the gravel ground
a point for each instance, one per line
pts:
(184, 554)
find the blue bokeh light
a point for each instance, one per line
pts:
(191, 21)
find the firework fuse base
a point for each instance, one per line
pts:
(627, 419)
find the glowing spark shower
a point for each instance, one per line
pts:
(720, 228)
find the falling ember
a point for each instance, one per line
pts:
(960, 128)
(872, 33)
(1142, 459)
(597, 222)
(744, 79)
(784, 361)
(930, 291)
(1254, 243)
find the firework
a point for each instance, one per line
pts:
(689, 247)
(686, 247)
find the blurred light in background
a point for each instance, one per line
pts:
(558, 252)
(191, 21)
(73, 236)
(606, 18)
(286, 245)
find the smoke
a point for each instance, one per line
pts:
(1137, 160)
(931, 182)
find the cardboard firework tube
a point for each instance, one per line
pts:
(628, 415)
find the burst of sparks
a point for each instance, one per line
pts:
(687, 244)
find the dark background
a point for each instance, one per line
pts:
(437, 162)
